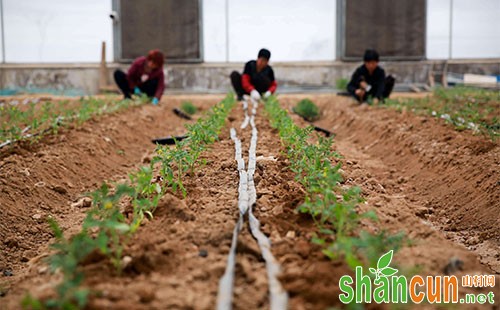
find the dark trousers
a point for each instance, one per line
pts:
(388, 87)
(149, 87)
(261, 84)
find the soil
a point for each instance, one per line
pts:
(441, 187)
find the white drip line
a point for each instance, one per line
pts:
(247, 197)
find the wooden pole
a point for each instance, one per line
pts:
(103, 70)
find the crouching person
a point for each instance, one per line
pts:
(144, 76)
(369, 80)
(257, 79)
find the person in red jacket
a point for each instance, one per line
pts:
(257, 78)
(144, 76)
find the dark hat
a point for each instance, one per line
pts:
(370, 55)
(264, 53)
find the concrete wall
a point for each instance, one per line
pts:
(58, 79)
(83, 79)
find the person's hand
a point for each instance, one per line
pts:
(255, 95)
(267, 94)
(155, 101)
(360, 92)
(363, 84)
(137, 91)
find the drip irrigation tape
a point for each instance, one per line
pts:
(247, 197)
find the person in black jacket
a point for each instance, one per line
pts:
(257, 78)
(369, 80)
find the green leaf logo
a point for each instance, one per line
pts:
(384, 260)
(383, 269)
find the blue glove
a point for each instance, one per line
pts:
(137, 91)
(154, 101)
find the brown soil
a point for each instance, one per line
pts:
(422, 177)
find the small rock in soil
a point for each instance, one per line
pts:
(453, 265)
(290, 234)
(277, 210)
(40, 184)
(146, 159)
(203, 253)
(59, 189)
(126, 260)
(146, 295)
(43, 269)
(8, 273)
(36, 216)
(84, 202)
(11, 242)
(302, 247)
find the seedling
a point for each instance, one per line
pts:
(188, 108)
(332, 208)
(307, 109)
(48, 117)
(465, 108)
(105, 228)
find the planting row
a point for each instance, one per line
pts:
(463, 107)
(33, 120)
(106, 229)
(331, 205)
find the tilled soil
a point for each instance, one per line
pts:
(437, 185)
(47, 178)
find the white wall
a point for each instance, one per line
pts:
(475, 29)
(57, 30)
(293, 30)
(214, 30)
(1, 49)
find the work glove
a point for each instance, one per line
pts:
(267, 94)
(137, 91)
(255, 95)
(155, 101)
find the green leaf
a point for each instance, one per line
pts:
(388, 271)
(121, 227)
(371, 215)
(54, 226)
(102, 242)
(385, 260)
(326, 231)
(373, 270)
(81, 297)
(318, 241)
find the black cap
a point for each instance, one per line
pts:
(264, 53)
(370, 55)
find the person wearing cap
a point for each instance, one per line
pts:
(145, 75)
(257, 79)
(369, 80)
